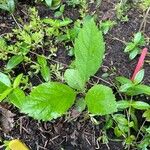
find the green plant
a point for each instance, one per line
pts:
(88, 56)
(51, 100)
(24, 40)
(125, 123)
(7, 87)
(53, 4)
(121, 10)
(105, 26)
(144, 145)
(144, 4)
(60, 12)
(81, 3)
(44, 69)
(44, 103)
(134, 87)
(3, 49)
(74, 2)
(37, 34)
(55, 27)
(8, 5)
(133, 47)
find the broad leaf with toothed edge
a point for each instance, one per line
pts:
(49, 101)
(101, 100)
(89, 51)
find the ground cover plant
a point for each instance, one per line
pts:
(74, 75)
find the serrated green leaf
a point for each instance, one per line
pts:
(37, 37)
(74, 79)
(48, 101)
(17, 97)
(140, 105)
(14, 61)
(139, 76)
(24, 48)
(17, 81)
(3, 44)
(26, 37)
(89, 50)
(99, 98)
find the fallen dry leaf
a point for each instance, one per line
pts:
(6, 119)
(17, 145)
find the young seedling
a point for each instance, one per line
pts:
(121, 10)
(44, 69)
(105, 26)
(131, 88)
(133, 47)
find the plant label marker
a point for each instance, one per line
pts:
(140, 63)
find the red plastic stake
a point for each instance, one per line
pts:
(140, 63)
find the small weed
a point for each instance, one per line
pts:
(105, 26)
(133, 47)
(121, 10)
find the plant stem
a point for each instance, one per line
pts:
(143, 24)
(16, 21)
(140, 130)
(129, 117)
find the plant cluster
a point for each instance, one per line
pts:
(17, 47)
(52, 99)
(134, 47)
